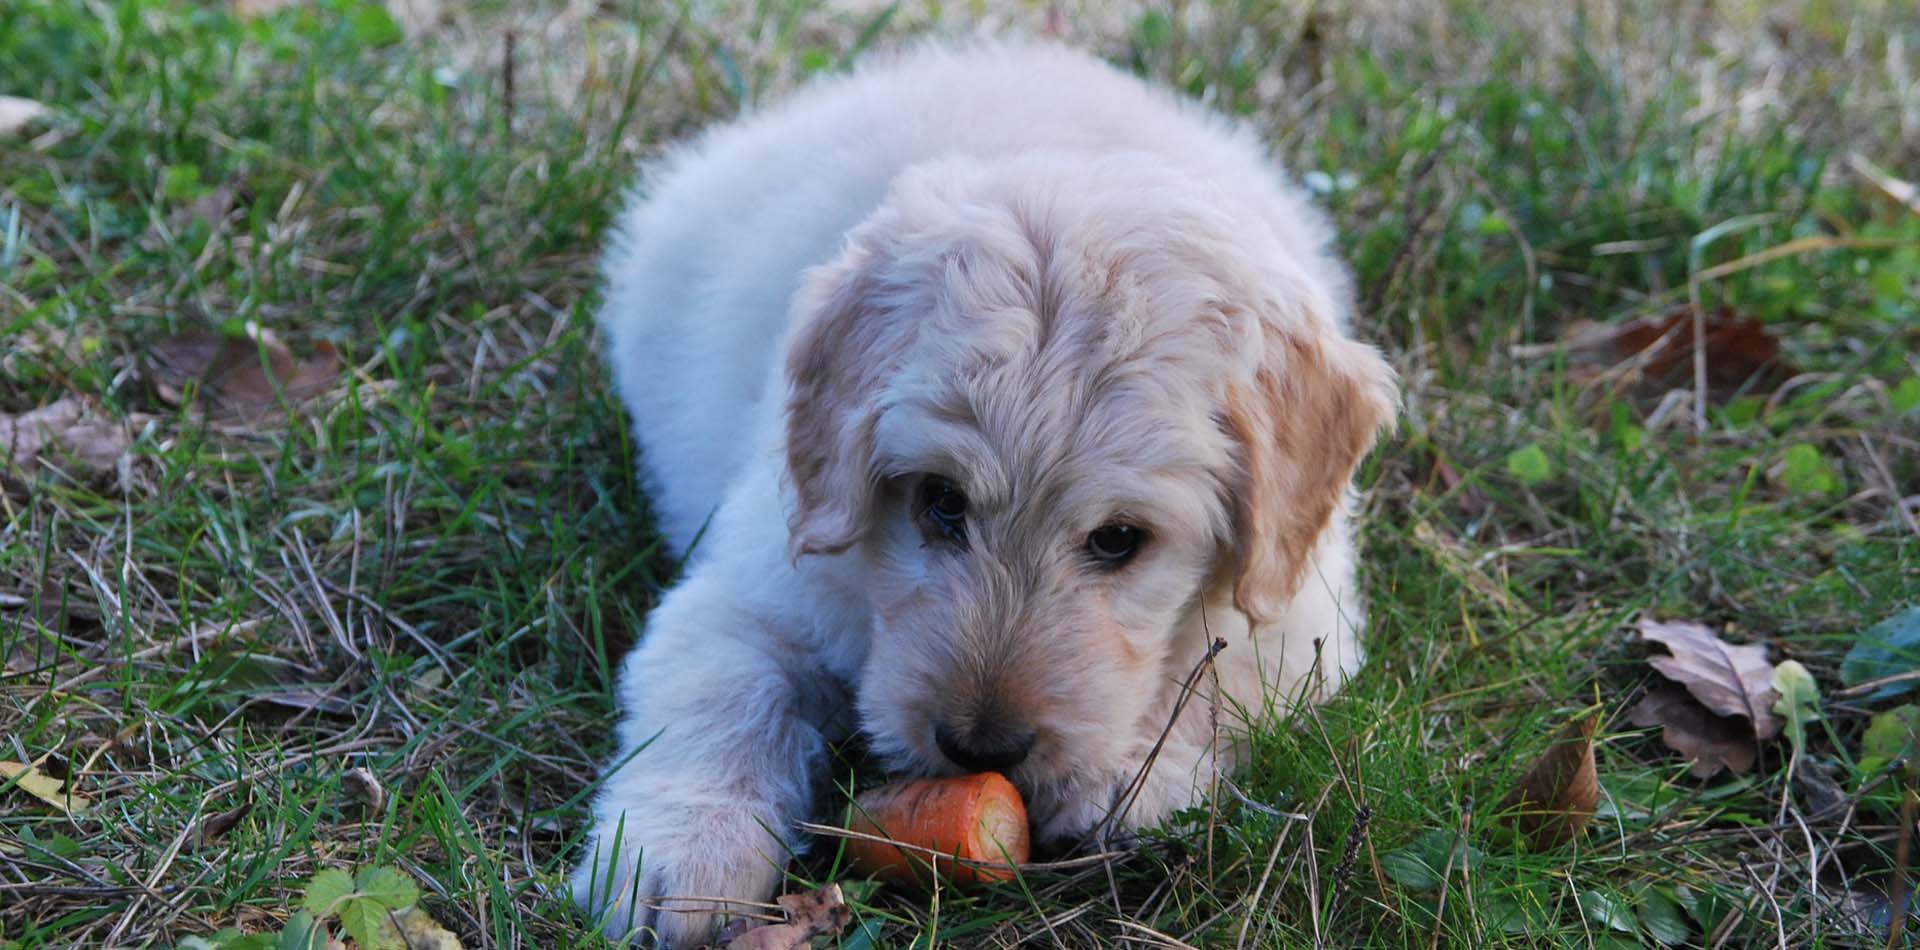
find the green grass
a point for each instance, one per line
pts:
(452, 549)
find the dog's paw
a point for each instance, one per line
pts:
(672, 879)
(1109, 812)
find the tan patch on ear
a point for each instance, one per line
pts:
(1311, 413)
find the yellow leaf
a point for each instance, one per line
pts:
(44, 787)
(412, 928)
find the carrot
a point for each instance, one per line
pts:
(974, 817)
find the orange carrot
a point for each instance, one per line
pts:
(974, 817)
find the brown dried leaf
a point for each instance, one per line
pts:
(820, 911)
(1556, 798)
(212, 828)
(62, 433)
(242, 379)
(1709, 742)
(361, 783)
(1468, 497)
(1730, 680)
(1659, 349)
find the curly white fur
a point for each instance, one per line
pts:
(1079, 299)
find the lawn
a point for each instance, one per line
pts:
(329, 561)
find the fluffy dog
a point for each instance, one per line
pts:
(983, 388)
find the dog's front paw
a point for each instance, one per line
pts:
(1109, 811)
(670, 877)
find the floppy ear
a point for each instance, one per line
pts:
(1312, 410)
(844, 343)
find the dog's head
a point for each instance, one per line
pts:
(1049, 402)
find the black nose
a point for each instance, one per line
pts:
(987, 747)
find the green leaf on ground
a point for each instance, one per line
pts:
(1608, 909)
(1805, 472)
(1799, 701)
(1906, 396)
(1888, 648)
(386, 886)
(1659, 916)
(1894, 734)
(325, 892)
(1529, 463)
(1420, 865)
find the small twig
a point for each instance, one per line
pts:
(1313, 882)
(1124, 803)
(1870, 685)
(1892, 487)
(1150, 935)
(1233, 788)
(1446, 873)
(1779, 921)
(1253, 903)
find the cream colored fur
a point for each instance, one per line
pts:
(1076, 297)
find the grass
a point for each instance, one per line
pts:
(429, 575)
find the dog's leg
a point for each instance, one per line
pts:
(718, 751)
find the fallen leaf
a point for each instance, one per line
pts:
(1731, 680)
(1659, 916)
(1892, 736)
(1608, 909)
(1556, 798)
(247, 379)
(17, 113)
(1887, 649)
(212, 828)
(1709, 742)
(65, 432)
(1428, 861)
(1471, 501)
(1799, 701)
(1659, 349)
(1823, 797)
(42, 786)
(414, 929)
(820, 911)
(361, 783)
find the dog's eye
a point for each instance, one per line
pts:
(1112, 545)
(944, 506)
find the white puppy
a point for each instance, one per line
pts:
(985, 387)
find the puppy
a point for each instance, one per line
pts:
(983, 389)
